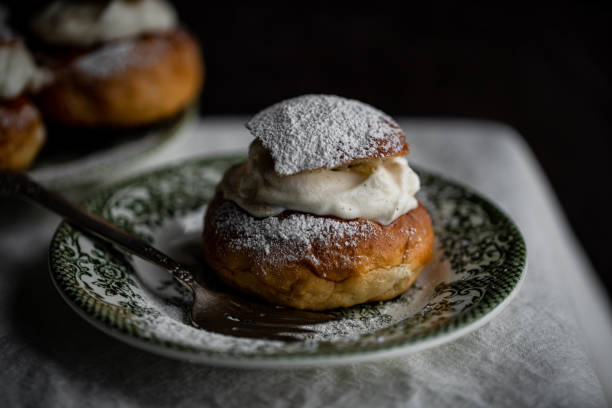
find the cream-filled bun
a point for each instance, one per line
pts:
(323, 212)
(117, 63)
(22, 132)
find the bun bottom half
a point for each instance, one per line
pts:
(330, 263)
(160, 76)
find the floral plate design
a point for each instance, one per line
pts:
(479, 263)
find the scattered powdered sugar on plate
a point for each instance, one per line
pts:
(297, 233)
(168, 321)
(169, 324)
(314, 131)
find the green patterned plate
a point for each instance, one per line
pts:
(478, 266)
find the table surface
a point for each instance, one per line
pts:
(549, 347)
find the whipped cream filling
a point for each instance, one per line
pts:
(380, 190)
(88, 23)
(18, 72)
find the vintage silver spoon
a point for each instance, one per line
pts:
(212, 310)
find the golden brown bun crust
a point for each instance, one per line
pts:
(22, 134)
(380, 265)
(163, 75)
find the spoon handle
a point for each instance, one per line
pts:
(22, 185)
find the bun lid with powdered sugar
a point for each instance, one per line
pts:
(310, 132)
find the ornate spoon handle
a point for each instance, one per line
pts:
(22, 185)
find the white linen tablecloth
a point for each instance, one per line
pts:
(549, 347)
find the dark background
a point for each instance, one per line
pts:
(544, 70)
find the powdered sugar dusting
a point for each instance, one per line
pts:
(297, 233)
(119, 56)
(169, 320)
(315, 131)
